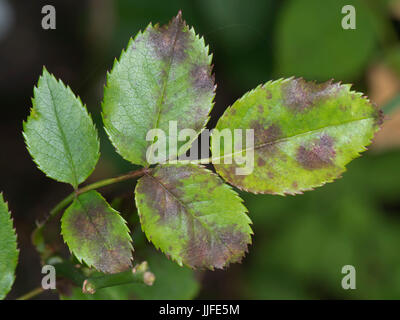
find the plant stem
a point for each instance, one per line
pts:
(106, 182)
(66, 269)
(31, 294)
(72, 273)
(99, 184)
(139, 274)
(37, 235)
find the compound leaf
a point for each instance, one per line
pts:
(8, 249)
(60, 134)
(163, 76)
(304, 135)
(192, 216)
(97, 234)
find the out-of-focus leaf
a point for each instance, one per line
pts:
(192, 216)
(392, 59)
(238, 23)
(394, 6)
(355, 228)
(384, 89)
(8, 249)
(392, 105)
(311, 42)
(97, 234)
(383, 86)
(389, 136)
(164, 75)
(304, 134)
(60, 134)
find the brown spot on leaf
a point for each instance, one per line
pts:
(260, 162)
(379, 116)
(204, 250)
(206, 244)
(106, 261)
(162, 201)
(300, 95)
(93, 226)
(272, 133)
(228, 171)
(202, 79)
(171, 41)
(166, 194)
(320, 155)
(265, 137)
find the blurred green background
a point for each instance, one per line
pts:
(301, 243)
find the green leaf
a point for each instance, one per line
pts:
(97, 234)
(8, 249)
(60, 134)
(192, 216)
(164, 75)
(172, 282)
(304, 134)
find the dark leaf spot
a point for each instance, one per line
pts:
(202, 79)
(266, 137)
(379, 116)
(320, 155)
(229, 247)
(300, 95)
(94, 226)
(206, 244)
(172, 40)
(163, 202)
(260, 162)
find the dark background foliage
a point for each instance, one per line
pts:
(301, 242)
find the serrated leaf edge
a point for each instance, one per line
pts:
(179, 260)
(357, 153)
(122, 55)
(32, 114)
(82, 259)
(15, 261)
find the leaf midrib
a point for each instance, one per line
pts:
(63, 137)
(165, 82)
(102, 238)
(194, 217)
(281, 140)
